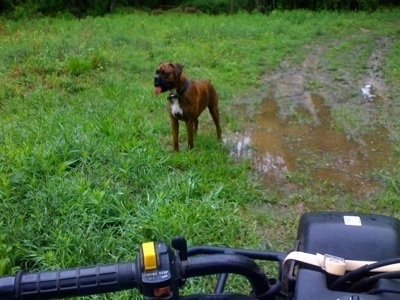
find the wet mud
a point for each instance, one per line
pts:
(278, 146)
(290, 127)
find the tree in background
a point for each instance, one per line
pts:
(81, 8)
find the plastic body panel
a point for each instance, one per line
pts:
(376, 238)
(365, 237)
(312, 285)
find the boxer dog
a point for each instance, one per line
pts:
(186, 101)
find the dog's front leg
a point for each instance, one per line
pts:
(175, 133)
(190, 132)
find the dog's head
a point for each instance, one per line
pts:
(167, 77)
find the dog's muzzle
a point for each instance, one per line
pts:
(163, 84)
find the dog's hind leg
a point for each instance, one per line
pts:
(215, 115)
(196, 125)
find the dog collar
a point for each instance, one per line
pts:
(177, 95)
(173, 96)
(185, 87)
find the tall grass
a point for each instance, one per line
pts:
(86, 167)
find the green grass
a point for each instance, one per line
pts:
(86, 164)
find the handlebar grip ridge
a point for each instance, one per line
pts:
(70, 282)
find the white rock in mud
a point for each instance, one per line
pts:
(367, 92)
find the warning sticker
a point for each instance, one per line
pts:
(352, 220)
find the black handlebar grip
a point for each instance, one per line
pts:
(69, 283)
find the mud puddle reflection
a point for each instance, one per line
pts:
(279, 147)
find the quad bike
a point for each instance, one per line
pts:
(337, 256)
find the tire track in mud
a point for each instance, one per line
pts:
(294, 128)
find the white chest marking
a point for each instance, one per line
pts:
(176, 109)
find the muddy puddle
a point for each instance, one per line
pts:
(280, 147)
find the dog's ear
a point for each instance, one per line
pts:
(177, 69)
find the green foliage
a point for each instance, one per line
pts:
(32, 8)
(29, 8)
(77, 65)
(220, 6)
(391, 63)
(5, 255)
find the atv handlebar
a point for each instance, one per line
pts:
(69, 283)
(157, 272)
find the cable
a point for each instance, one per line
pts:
(381, 291)
(365, 282)
(361, 272)
(18, 284)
